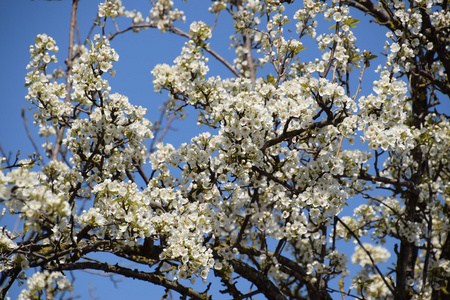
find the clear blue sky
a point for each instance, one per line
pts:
(22, 20)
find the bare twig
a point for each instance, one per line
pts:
(69, 63)
(215, 21)
(331, 58)
(181, 33)
(163, 133)
(358, 89)
(24, 117)
(249, 58)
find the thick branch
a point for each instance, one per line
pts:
(292, 267)
(157, 279)
(396, 182)
(12, 278)
(368, 7)
(266, 286)
(293, 133)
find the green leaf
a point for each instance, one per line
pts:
(215, 121)
(351, 22)
(90, 43)
(301, 48)
(270, 79)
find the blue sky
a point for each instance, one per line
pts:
(22, 20)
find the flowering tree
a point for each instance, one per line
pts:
(261, 197)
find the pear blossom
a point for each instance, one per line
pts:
(295, 160)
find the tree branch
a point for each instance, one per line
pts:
(69, 63)
(30, 137)
(293, 133)
(266, 286)
(157, 279)
(293, 269)
(368, 7)
(180, 32)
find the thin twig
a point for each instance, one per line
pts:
(331, 58)
(115, 24)
(155, 141)
(181, 33)
(359, 83)
(4, 155)
(24, 117)
(339, 146)
(215, 21)
(391, 289)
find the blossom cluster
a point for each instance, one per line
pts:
(37, 204)
(199, 32)
(163, 14)
(51, 283)
(6, 240)
(43, 92)
(373, 286)
(185, 75)
(377, 253)
(88, 68)
(110, 8)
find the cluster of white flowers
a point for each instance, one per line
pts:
(373, 286)
(113, 129)
(377, 253)
(199, 32)
(388, 130)
(49, 282)
(88, 68)
(47, 95)
(118, 128)
(249, 117)
(185, 76)
(185, 239)
(110, 8)
(163, 14)
(121, 130)
(6, 239)
(35, 202)
(307, 15)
